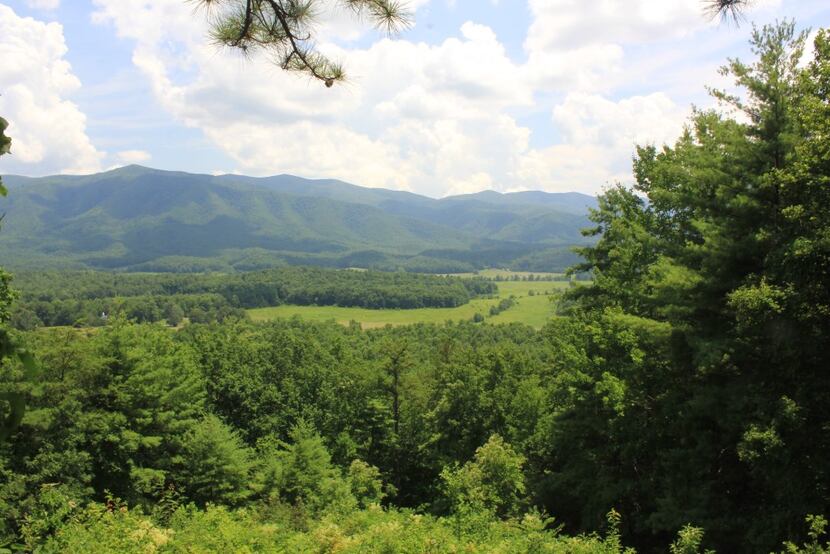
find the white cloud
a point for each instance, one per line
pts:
(584, 68)
(574, 23)
(49, 132)
(133, 156)
(435, 119)
(576, 45)
(599, 136)
(415, 116)
(573, 45)
(592, 119)
(311, 149)
(47, 5)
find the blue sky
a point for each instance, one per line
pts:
(479, 94)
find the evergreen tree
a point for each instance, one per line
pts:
(215, 465)
(717, 379)
(300, 472)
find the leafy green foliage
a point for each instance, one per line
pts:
(283, 435)
(218, 529)
(492, 482)
(688, 541)
(365, 483)
(817, 530)
(107, 412)
(695, 380)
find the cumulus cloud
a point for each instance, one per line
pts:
(593, 119)
(49, 131)
(576, 45)
(433, 118)
(413, 116)
(599, 137)
(575, 24)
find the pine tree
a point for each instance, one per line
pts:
(719, 416)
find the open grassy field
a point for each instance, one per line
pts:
(530, 310)
(506, 273)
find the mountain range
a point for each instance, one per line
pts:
(140, 219)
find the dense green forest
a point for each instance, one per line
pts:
(679, 402)
(90, 298)
(288, 424)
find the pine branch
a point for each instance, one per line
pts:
(286, 26)
(727, 10)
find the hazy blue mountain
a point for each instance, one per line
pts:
(562, 201)
(140, 218)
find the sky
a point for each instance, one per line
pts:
(478, 94)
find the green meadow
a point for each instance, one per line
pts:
(507, 274)
(533, 307)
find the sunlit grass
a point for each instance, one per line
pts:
(532, 310)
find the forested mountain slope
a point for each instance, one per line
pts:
(140, 218)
